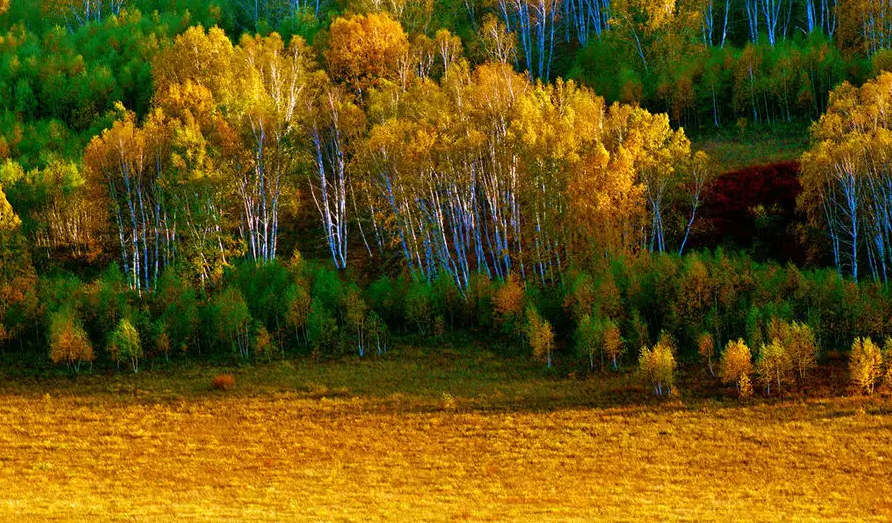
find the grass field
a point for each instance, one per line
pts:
(430, 435)
(733, 151)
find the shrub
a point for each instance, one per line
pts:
(865, 364)
(223, 381)
(737, 365)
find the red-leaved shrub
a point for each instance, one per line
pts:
(223, 381)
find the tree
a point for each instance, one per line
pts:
(365, 50)
(540, 335)
(657, 366)
(774, 365)
(229, 319)
(124, 345)
(801, 347)
(612, 342)
(69, 343)
(706, 349)
(865, 364)
(262, 344)
(9, 220)
(509, 301)
(356, 314)
(298, 300)
(588, 339)
(736, 364)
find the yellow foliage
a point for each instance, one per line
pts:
(540, 335)
(865, 364)
(657, 366)
(737, 363)
(775, 364)
(366, 49)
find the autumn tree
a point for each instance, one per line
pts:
(706, 349)
(539, 334)
(365, 50)
(865, 364)
(509, 302)
(736, 365)
(802, 348)
(612, 342)
(657, 366)
(845, 175)
(775, 364)
(69, 343)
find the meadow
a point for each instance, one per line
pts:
(437, 433)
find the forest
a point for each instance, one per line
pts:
(256, 180)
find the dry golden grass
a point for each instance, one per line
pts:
(319, 453)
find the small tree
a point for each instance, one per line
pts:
(612, 342)
(887, 363)
(657, 367)
(801, 347)
(162, 345)
(774, 366)
(737, 365)
(230, 319)
(355, 313)
(706, 348)
(588, 339)
(540, 335)
(865, 364)
(263, 345)
(509, 300)
(124, 345)
(298, 310)
(376, 329)
(69, 343)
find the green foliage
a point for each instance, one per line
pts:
(227, 320)
(322, 329)
(176, 305)
(124, 345)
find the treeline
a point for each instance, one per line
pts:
(694, 307)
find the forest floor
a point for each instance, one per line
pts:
(434, 435)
